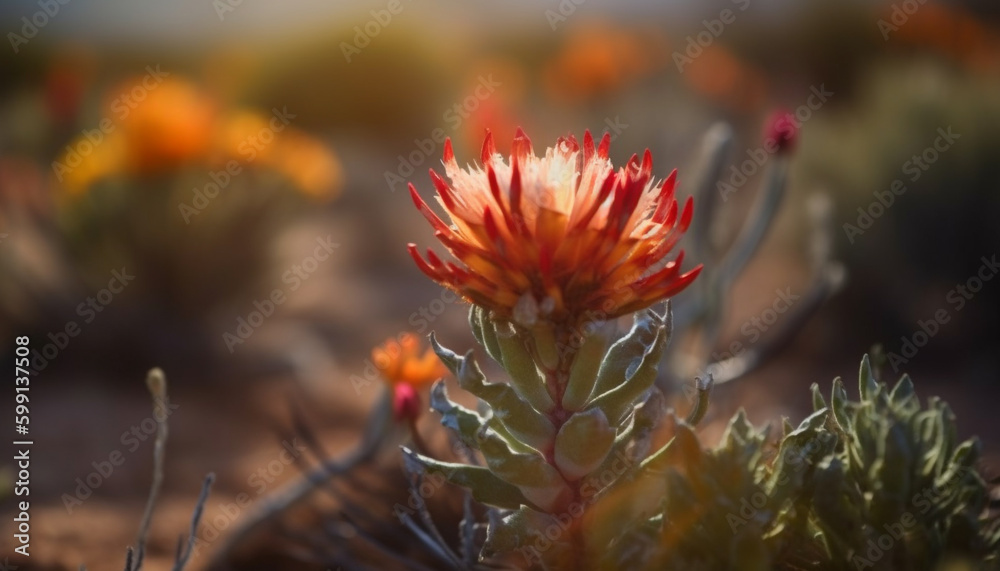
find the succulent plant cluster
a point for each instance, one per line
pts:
(877, 483)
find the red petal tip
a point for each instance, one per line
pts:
(605, 146)
(415, 195)
(522, 145)
(687, 214)
(489, 148)
(588, 146)
(647, 163)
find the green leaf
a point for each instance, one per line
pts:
(739, 430)
(484, 485)
(904, 396)
(683, 450)
(546, 347)
(646, 417)
(538, 480)
(894, 471)
(688, 447)
(587, 361)
(626, 353)
(621, 460)
(524, 374)
(838, 402)
(583, 442)
(817, 398)
(703, 392)
(866, 380)
(464, 422)
(965, 457)
(524, 531)
(638, 379)
(799, 450)
(834, 503)
(482, 329)
(524, 422)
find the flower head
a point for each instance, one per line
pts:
(557, 236)
(406, 369)
(781, 131)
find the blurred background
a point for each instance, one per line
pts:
(218, 188)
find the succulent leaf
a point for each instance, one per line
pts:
(485, 486)
(466, 423)
(583, 442)
(586, 366)
(524, 374)
(520, 418)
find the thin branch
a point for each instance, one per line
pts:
(156, 381)
(199, 509)
(296, 491)
(416, 480)
(825, 285)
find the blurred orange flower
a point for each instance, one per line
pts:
(948, 29)
(407, 366)
(723, 77)
(153, 125)
(557, 236)
(596, 60)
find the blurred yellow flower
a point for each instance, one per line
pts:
(152, 126)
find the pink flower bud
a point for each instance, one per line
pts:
(782, 131)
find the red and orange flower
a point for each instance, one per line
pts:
(407, 369)
(559, 236)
